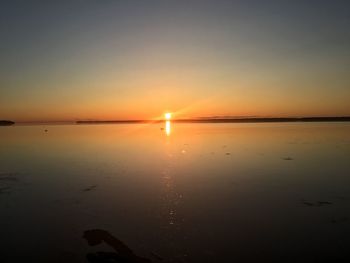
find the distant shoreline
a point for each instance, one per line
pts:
(226, 120)
(6, 123)
(197, 120)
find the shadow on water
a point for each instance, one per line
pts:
(122, 252)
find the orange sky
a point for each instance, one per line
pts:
(88, 60)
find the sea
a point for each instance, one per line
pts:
(175, 192)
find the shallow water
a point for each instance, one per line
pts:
(184, 193)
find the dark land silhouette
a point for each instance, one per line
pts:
(6, 123)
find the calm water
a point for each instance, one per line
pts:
(176, 192)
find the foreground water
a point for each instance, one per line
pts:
(175, 193)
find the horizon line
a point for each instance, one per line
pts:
(214, 119)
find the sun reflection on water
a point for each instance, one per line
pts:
(167, 128)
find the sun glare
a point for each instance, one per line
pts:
(167, 116)
(167, 128)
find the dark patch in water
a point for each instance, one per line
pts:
(288, 158)
(308, 203)
(90, 188)
(324, 203)
(318, 203)
(122, 252)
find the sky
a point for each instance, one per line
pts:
(128, 59)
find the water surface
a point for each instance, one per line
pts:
(177, 192)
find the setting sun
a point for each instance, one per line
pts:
(162, 124)
(167, 116)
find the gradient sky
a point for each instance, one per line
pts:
(126, 59)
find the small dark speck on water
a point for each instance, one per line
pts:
(228, 153)
(46, 130)
(288, 159)
(308, 203)
(90, 188)
(318, 203)
(324, 203)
